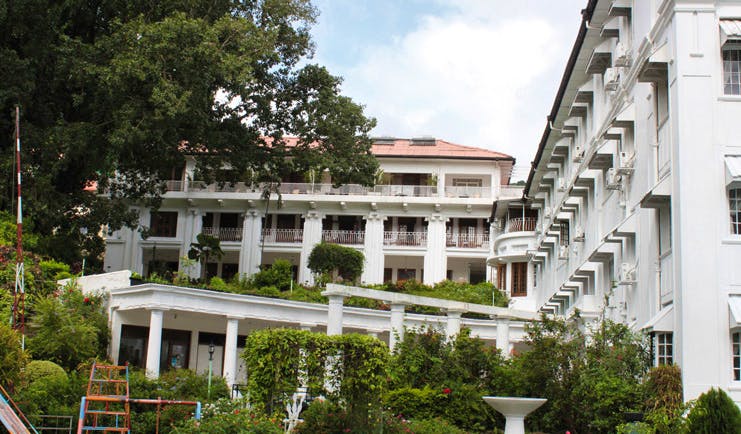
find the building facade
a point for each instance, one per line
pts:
(634, 194)
(428, 218)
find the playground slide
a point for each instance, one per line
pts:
(10, 420)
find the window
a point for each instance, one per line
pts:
(732, 68)
(736, 356)
(564, 229)
(163, 224)
(664, 349)
(502, 277)
(467, 182)
(734, 199)
(519, 279)
(404, 274)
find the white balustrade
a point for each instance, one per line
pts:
(396, 238)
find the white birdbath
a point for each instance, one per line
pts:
(514, 410)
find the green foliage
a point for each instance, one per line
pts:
(81, 320)
(589, 383)
(41, 369)
(355, 367)
(12, 358)
(480, 293)
(237, 422)
(636, 428)
(327, 258)
(433, 426)
(206, 247)
(664, 404)
(117, 93)
(278, 275)
(415, 403)
(714, 412)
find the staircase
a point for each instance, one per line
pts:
(11, 416)
(105, 408)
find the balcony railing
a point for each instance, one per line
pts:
(396, 238)
(282, 235)
(521, 224)
(511, 190)
(224, 234)
(471, 241)
(343, 237)
(467, 191)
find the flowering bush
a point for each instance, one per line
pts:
(237, 422)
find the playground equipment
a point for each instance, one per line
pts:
(106, 408)
(12, 417)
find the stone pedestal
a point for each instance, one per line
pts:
(514, 410)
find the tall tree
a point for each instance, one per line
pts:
(116, 93)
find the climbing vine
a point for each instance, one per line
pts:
(348, 368)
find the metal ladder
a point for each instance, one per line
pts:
(105, 408)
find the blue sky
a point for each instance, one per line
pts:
(475, 72)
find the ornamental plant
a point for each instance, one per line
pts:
(714, 412)
(327, 258)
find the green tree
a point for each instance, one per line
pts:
(328, 258)
(714, 412)
(205, 248)
(115, 94)
(12, 358)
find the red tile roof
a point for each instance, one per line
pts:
(431, 148)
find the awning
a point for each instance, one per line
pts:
(733, 169)
(729, 29)
(660, 195)
(663, 321)
(734, 305)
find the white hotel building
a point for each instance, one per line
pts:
(637, 181)
(632, 208)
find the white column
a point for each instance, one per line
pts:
(436, 261)
(193, 227)
(503, 336)
(250, 252)
(137, 256)
(396, 335)
(193, 356)
(113, 350)
(334, 315)
(453, 323)
(373, 249)
(312, 237)
(230, 350)
(154, 345)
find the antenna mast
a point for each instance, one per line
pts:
(18, 320)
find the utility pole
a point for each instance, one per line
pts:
(18, 319)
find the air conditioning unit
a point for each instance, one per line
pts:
(579, 234)
(561, 184)
(612, 79)
(578, 154)
(627, 275)
(614, 180)
(626, 163)
(622, 55)
(563, 252)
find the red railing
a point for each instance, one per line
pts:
(520, 224)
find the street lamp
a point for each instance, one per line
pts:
(211, 349)
(83, 252)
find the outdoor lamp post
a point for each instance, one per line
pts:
(211, 349)
(83, 252)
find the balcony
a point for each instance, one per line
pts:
(468, 241)
(224, 234)
(282, 236)
(521, 224)
(405, 239)
(343, 237)
(451, 191)
(511, 191)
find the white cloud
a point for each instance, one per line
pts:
(476, 77)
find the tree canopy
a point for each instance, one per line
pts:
(117, 93)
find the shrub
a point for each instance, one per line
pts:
(714, 412)
(12, 358)
(327, 258)
(415, 403)
(664, 404)
(433, 426)
(279, 275)
(39, 369)
(234, 423)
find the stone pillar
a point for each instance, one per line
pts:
(373, 249)
(503, 336)
(436, 261)
(154, 345)
(312, 237)
(453, 324)
(230, 350)
(250, 252)
(113, 350)
(136, 253)
(334, 314)
(396, 334)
